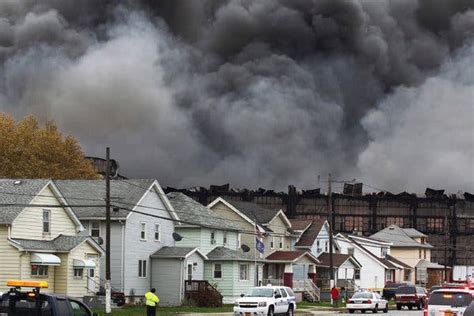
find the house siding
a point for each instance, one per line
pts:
(136, 249)
(10, 261)
(78, 287)
(198, 270)
(29, 225)
(61, 274)
(167, 280)
(25, 264)
(279, 227)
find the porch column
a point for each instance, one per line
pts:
(312, 273)
(288, 275)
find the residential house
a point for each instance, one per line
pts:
(275, 231)
(42, 239)
(226, 266)
(373, 256)
(412, 248)
(142, 222)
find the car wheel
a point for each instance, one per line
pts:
(410, 307)
(399, 307)
(376, 309)
(290, 311)
(363, 311)
(271, 311)
(385, 310)
(351, 311)
(420, 306)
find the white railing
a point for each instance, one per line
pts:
(307, 287)
(276, 282)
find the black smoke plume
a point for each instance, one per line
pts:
(252, 92)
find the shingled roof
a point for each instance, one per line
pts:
(300, 224)
(194, 212)
(311, 233)
(399, 237)
(226, 254)
(62, 243)
(254, 211)
(92, 192)
(175, 252)
(338, 259)
(290, 256)
(17, 192)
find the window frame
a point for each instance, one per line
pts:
(282, 242)
(143, 231)
(157, 231)
(213, 237)
(214, 271)
(48, 222)
(78, 275)
(142, 268)
(247, 272)
(91, 223)
(224, 238)
(38, 268)
(356, 274)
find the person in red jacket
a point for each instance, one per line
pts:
(334, 295)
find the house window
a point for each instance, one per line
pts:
(388, 275)
(143, 231)
(350, 251)
(407, 275)
(78, 273)
(272, 243)
(423, 240)
(424, 253)
(281, 242)
(46, 221)
(326, 246)
(318, 249)
(419, 253)
(213, 237)
(39, 271)
(244, 272)
(95, 229)
(157, 232)
(142, 268)
(239, 240)
(224, 239)
(356, 274)
(384, 251)
(217, 271)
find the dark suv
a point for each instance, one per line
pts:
(390, 289)
(410, 296)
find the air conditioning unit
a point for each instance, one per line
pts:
(213, 241)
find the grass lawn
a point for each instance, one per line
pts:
(163, 311)
(308, 305)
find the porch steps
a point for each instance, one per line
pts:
(309, 290)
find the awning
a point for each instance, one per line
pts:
(45, 259)
(83, 264)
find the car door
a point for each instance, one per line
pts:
(79, 309)
(380, 301)
(286, 301)
(278, 301)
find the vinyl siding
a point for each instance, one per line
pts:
(29, 224)
(198, 270)
(278, 227)
(191, 237)
(323, 238)
(10, 260)
(166, 279)
(26, 273)
(136, 249)
(61, 274)
(78, 287)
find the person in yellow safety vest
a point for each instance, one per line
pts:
(151, 301)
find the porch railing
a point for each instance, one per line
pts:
(202, 293)
(310, 291)
(275, 282)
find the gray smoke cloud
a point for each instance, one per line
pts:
(255, 93)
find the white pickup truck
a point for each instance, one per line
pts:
(266, 300)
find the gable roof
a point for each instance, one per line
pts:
(428, 265)
(290, 256)
(398, 262)
(62, 243)
(177, 252)
(22, 192)
(194, 212)
(226, 254)
(79, 193)
(300, 224)
(311, 233)
(413, 233)
(338, 259)
(399, 237)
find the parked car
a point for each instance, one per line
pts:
(469, 310)
(33, 302)
(411, 296)
(266, 300)
(449, 302)
(390, 288)
(367, 301)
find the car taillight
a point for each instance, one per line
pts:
(369, 302)
(347, 301)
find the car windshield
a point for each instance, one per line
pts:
(455, 299)
(19, 304)
(362, 295)
(406, 290)
(260, 292)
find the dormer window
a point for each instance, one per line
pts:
(384, 251)
(95, 229)
(213, 237)
(422, 240)
(46, 222)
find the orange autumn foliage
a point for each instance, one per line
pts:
(29, 151)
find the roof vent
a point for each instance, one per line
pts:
(17, 182)
(391, 228)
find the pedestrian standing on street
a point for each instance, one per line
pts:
(151, 301)
(334, 296)
(343, 295)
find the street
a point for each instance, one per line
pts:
(392, 312)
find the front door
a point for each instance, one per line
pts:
(190, 272)
(91, 275)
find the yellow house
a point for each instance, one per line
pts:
(41, 239)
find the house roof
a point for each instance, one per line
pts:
(176, 252)
(61, 243)
(398, 262)
(338, 259)
(254, 211)
(300, 224)
(311, 233)
(226, 254)
(290, 256)
(399, 237)
(413, 233)
(428, 265)
(81, 193)
(192, 211)
(18, 192)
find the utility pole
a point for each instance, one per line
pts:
(330, 217)
(108, 309)
(446, 238)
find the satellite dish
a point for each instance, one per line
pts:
(245, 248)
(177, 237)
(100, 240)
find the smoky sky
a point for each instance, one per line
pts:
(256, 93)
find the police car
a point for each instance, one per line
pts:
(266, 300)
(445, 302)
(34, 303)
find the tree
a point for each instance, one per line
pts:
(29, 151)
